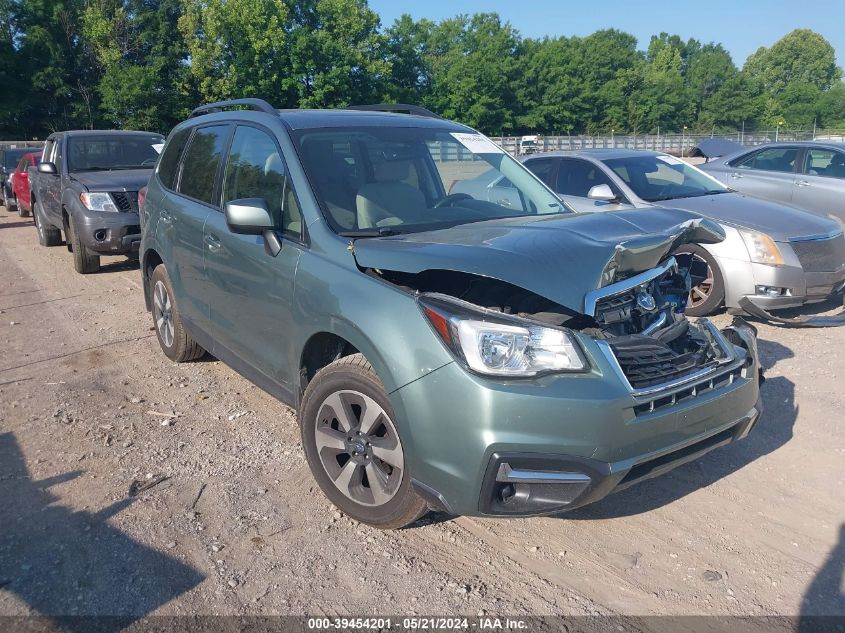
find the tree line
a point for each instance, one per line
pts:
(144, 64)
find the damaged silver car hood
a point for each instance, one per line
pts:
(560, 257)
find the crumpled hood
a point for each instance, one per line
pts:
(117, 180)
(560, 257)
(780, 222)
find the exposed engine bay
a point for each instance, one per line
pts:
(643, 323)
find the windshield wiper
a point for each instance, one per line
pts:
(382, 232)
(93, 169)
(697, 194)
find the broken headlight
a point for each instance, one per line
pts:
(501, 345)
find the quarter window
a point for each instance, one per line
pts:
(202, 160)
(255, 169)
(824, 162)
(781, 159)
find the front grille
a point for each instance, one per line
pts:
(821, 256)
(126, 200)
(646, 361)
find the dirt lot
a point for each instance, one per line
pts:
(88, 404)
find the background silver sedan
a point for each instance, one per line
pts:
(809, 175)
(775, 255)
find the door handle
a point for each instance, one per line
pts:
(736, 176)
(803, 183)
(213, 243)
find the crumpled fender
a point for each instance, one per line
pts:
(837, 320)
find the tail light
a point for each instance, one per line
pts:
(142, 196)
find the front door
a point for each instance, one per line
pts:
(250, 292)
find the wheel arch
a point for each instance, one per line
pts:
(149, 261)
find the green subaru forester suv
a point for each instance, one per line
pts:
(490, 355)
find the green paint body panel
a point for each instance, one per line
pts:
(259, 312)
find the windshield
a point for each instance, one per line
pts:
(98, 153)
(383, 180)
(664, 177)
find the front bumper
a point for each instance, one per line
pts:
(110, 233)
(589, 427)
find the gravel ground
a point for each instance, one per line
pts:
(89, 405)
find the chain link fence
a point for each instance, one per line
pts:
(677, 144)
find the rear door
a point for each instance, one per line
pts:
(820, 187)
(768, 173)
(183, 215)
(250, 292)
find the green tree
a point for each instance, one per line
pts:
(474, 63)
(142, 59)
(802, 56)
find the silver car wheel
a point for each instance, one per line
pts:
(359, 448)
(701, 293)
(163, 314)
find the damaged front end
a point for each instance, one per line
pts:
(515, 298)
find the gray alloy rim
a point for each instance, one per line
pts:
(359, 448)
(701, 293)
(163, 313)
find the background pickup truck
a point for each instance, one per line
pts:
(87, 186)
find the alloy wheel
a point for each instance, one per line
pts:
(359, 448)
(163, 313)
(701, 293)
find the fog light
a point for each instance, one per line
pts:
(772, 291)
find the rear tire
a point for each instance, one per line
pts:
(353, 447)
(175, 342)
(707, 297)
(48, 235)
(84, 262)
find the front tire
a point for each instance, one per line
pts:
(48, 235)
(174, 340)
(84, 262)
(708, 296)
(353, 446)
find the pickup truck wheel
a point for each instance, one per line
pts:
(83, 261)
(353, 447)
(21, 211)
(47, 235)
(708, 296)
(175, 342)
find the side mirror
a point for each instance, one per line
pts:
(47, 168)
(251, 216)
(603, 193)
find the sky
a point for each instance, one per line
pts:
(741, 26)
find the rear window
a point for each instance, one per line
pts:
(169, 161)
(202, 161)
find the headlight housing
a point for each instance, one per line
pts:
(98, 201)
(761, 248)
(496, 345)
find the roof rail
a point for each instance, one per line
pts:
(401, 108)
(255, 104)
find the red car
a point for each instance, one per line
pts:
(20, 183)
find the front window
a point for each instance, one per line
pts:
(780, 159)
(105, 153)
(383, 180)
(663, 177)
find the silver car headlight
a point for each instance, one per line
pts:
(761, 248)
(504, 346)
(98, 201)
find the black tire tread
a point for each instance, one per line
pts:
(52, 235)
(83, 262)
(185, 347)
(416, 506)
